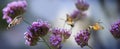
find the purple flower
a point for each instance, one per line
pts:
(62, 32)
(82, 5)
(31, 40)
(66, 33)
(115, 29)
(58, 36)
(55, 40)
(36, 30)
(77, 14)
(82, 38)
(14, 9)
(57, 31)
(40, 28)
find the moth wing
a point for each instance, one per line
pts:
(15, 21)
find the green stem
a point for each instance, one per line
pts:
(46, 42)
(89, 46)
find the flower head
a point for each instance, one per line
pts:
(58, 36)
(31, 40)
(36, 30)
(62, 32)
(82, 5)
(115, 30)
(40, 28)
(14, 9)
(77, 14)
(55, 40)
(57, 31)
(82, 38)
(66, 33)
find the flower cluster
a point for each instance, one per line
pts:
(58, 36)
(66, 33)
(55, 40)
(36, 30)
(76, 15)
(14, 9)
(82, 5)
(115, 29)
(30, 40)
(82, 38)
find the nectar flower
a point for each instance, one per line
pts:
(82, 38)
(77, 14)
(31, 40)
(57, 31)
(62, 32)
(55, 40)
(59, 36)
(115, 29)
(82, 5)
(66, 33)
(14, 9)
(36, 30)
(40, 28)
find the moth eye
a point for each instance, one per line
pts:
(10, 24)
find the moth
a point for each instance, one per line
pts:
(96, 27)
(69, 20)
(15, 21)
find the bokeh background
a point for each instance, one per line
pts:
(54, 11)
